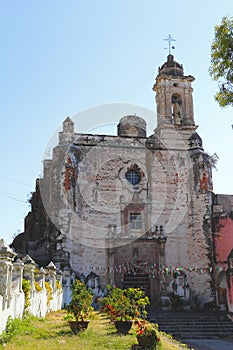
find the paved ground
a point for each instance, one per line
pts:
(209, 344)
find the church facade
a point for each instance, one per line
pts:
(130, 210)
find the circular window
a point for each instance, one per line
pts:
(133, 177)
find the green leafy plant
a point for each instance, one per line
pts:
(147, 335)
(58, 286)
(38, 286)
(221, 67)
(14, 327)
(81, 299)
(26, 286)
(49, 292)
(124, 305)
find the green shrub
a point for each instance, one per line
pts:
(81, 299)
(125, 304)
(15, 327)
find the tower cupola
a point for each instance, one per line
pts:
(171, 67)
(174, 95)
(67, 134)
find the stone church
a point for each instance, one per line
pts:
(130, 209)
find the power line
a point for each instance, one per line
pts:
(15, 180)
(11, 197)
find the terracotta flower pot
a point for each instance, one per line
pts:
(149, 342)
(77, 326)
(123, 327)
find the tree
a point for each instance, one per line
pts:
(221, 67)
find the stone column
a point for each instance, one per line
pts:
(168, 106)
(189, 106)
(161, 105)
(161, 241)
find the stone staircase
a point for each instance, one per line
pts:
(137, 280)
(193, 325)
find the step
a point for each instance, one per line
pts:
(190, 325)
(197, 324)
(172, 330)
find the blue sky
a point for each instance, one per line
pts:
(61, 57)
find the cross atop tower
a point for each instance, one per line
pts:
(170, 39)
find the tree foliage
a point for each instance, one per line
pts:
(81, 299)
(221, 67)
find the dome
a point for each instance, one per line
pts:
(132, 126)
(171, 67)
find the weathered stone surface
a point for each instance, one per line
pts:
(112, 204)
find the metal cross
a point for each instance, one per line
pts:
(170, 39)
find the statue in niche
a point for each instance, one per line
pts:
(176, 111)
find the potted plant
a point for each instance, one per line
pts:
(124, 306)
(80, 307)
(147, 335)
(177, 302)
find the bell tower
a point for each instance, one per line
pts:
(174, 95)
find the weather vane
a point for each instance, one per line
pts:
(170, 47)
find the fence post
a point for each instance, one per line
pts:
(51, 274)
(18, 273)
(29, 271)
(6, 258)
(41, 277)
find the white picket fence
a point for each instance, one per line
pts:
(12, 298)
